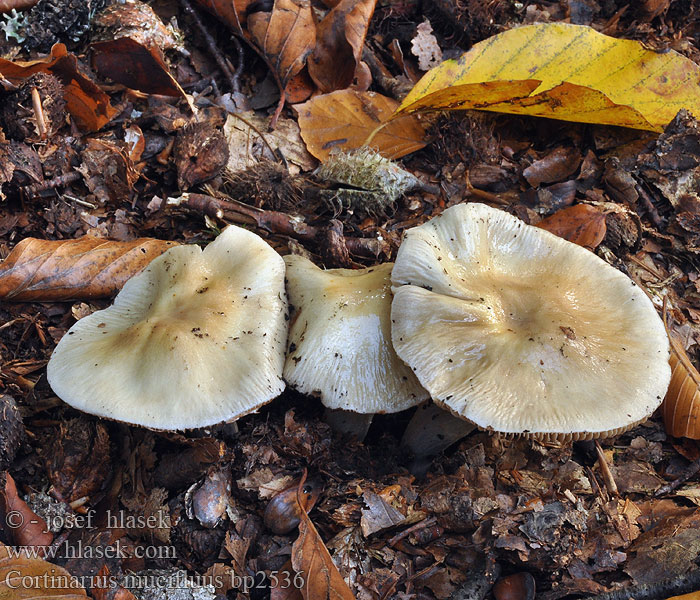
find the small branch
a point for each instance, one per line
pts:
(673, 586)
(272, 221)
(605, 471)
(692, 469)
(213, 49)
(60, 181)
(39, 114)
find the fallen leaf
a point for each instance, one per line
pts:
(25, 527)
(555, 166)
(311, 559)
(52, 271)
(231, 12)
(283, 589)
(88, 104)
(379, 514)
(341, 37)
(681, 407)
(244, 134)
(581, 224)
(24, 578)
(563, 71)
(286, 36)
(345, 119)
(134, 65)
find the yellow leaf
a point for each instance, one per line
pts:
(566, 72)
(345, 119)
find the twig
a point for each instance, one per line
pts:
(692, 469)
(272, 221)
(649, 206)
(213, 49)
(239, 63)
(673, 586)
(605, 471)
(406, 532)
(62, 180)
(39, 114)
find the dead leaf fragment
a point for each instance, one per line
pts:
(681, 407)
(311, 559)
(341, 36)
(86, 102)
(46, 580)
(286, 36)
(424, 46)
(555, 166)
(345, 119)
(567, 72)
(23, 525)
(86, 268)
(581, 224)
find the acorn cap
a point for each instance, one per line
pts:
(522, 332)
(196, 338)
(339, 345)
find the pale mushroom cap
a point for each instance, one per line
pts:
(522, 332)
(196, 338)
(340, 339)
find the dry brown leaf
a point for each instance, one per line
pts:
(345, 120)
(681, 407)
(24, 526)
(88, 104)
(82, 269)
(284, 588)
(27, 578)
(581, 224)
(341, 36)
(311, 559)
(136, 66)
(286, 36)
(8, 5)
(231, 12)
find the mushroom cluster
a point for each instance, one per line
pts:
(503, 324)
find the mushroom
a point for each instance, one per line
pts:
(522, 332)
(339, 345)
(197, 338)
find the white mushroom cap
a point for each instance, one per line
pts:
(196, 338)
(522, 332)
(340, 339)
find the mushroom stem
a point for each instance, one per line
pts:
(346, 421)
(430, 431)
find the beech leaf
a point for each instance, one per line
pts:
(82, 269)
(286, 36)
(581, 224)
(567, 72)
(345, 119)
(341, 37)
(311, 559)
(24, 578)
(681, 407)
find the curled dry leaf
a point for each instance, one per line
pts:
(136, 66)
(581, 224)
(24, 578)
(86, 102)
(681, 407)
(52, 271)
(341, 36)
(8, 5)
(311, 559)
(286, 36)
(567, 72)
(231, 12)
(346, 119)
(24, 526)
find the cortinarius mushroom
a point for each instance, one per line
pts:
(522, 332)
(196, 338)
(340, 339)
